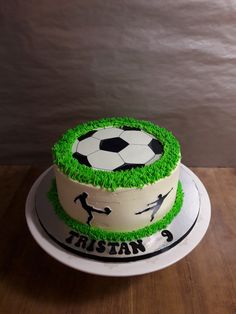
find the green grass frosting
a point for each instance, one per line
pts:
(101, 234)
(112, 180)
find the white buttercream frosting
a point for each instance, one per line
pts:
(124, 203)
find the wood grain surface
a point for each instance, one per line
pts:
(33, 282)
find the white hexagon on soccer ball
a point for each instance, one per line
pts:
(88, 146)
(105, 160)
(137, 154)
(105, 133)
(136, 137)
(74, 146)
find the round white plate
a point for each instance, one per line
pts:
(188, 228)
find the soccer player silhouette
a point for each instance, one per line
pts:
(155, 207)
(90, 209)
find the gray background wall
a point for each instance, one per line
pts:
(65, 62)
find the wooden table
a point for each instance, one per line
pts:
(33, 282)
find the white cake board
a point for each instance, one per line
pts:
(196, 198)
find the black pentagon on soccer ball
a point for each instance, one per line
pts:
(127, 128)
(156, 146)
(86, 135)
(128, 166)
(81, 159)
(114, 144)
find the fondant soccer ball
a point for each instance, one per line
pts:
(115, 149)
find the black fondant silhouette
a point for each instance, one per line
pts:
(90, 209)
(155, 207)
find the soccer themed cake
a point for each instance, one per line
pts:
(115, 188)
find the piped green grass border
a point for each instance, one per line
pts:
(112, 180)
(99, 234)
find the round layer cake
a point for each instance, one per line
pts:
(117, 178)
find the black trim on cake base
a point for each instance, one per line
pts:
(118, 259)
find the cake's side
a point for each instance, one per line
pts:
(127, 208)
(118, 175)
(104, 235)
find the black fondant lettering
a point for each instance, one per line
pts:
(113, 247)
(101, 246)
(157, 204)
(73, 235)
(90, 247)
(81, 242)
(137, 246)
(124, 249)
(90, 209)
(168, 234)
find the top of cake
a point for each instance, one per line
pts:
(117, 153)
(114, 149)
